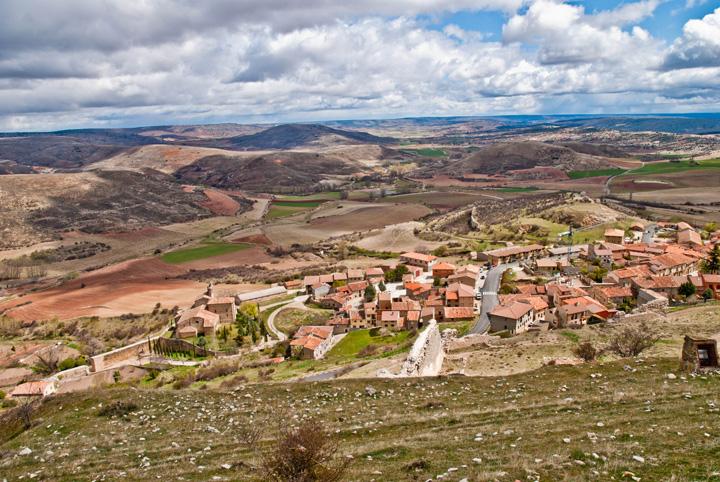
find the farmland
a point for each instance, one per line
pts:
(205, 250)
(595, 173)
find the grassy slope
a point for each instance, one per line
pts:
(600, 409)
(207, 250)
(675, 166)
(595, 173)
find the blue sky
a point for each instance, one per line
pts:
(84, 63)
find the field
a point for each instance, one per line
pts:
(356, 341)
(594, 422)
(396, 238)
(206, 250)
(290, 319)
(595, 173)
(335, 219)
(426, 152)
(676, 166)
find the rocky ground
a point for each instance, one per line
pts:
(626, 420)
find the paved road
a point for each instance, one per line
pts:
(489, 298)
(649, 233)
(298, 302)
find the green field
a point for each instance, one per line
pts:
(426, 152)
(612, 171)
(677, 166)
(322, 196)
(357, 340)
(298, 204)
(283, 211)
(206, 250)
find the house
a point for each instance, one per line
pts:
(196, 321)
(389, 319)
(311, 342)
(614, 235)
(458, 294)
(319, 290)
(601, 255)
(637, 226)
(341, 324)
(689, 237)
(224, 307)
(443, 270)
(293, 284)
(711, 282)
(355, 275)
(461, 313)
(550, 265)
(576, 311)
(39, 389)
(625, 276)
(512, 254)
(668, 286)
(514, 317)
(375, 275)
(612, 294)
(424, 261)
(539, 304)
(671, 264)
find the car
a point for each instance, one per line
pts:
(478, 296)
(482, 277)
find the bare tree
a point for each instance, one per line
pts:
(633, 340)
(46, 363)
(307, 453)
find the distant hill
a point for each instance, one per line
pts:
(508, 156)
(274, 172)
(600, 150)
(290, 136)
(39, 207)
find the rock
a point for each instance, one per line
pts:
(477, 460)
(25, 451)
(638, 458)
(566, 440)
(671, 376)
(370, 391)
(226, 466)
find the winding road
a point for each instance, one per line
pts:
(489, 298)
(298, 302)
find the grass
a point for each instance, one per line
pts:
(412, 429)
(276, 212)
(675, 166)
(206, 250)
(355, 341)
(323, 196)
(612, 171)
(289, 320)
(298, 204)
(426, 152)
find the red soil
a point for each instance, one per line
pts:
(220, 203)
(94, 293)
(254, 239)
(139, 234)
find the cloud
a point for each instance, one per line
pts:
(699, 45)
(167, 61)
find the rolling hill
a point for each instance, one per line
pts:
(508, 156)
(291, 136)
(276, 172)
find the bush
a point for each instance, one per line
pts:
(215, 370)
(117, 408)
(586, 351)
(307, 453)
(632, 340)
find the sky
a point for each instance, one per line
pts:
(119, 63)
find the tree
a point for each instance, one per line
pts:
(711, 265)
(586, 351)
(440, 250)
(632, 340)
(381, 286)
(708, 294)
(343, 194)
(201, 341)
(437, 281)
(687, 289)
(370, 292)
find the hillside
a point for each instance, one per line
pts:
(507, 156)
(291, 136)
(291, 171)
(38, 207)
(599, 421)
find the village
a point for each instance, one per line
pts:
(504, 291)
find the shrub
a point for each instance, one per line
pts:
(117, 408)
(215, 370)
(369, 350)
(586, 351)
(632, 340)
(183, 382)
(307, 453)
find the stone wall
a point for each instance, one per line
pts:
(426, 355)
(120, 355)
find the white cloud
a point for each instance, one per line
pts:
(329, 60)
(699, 45)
